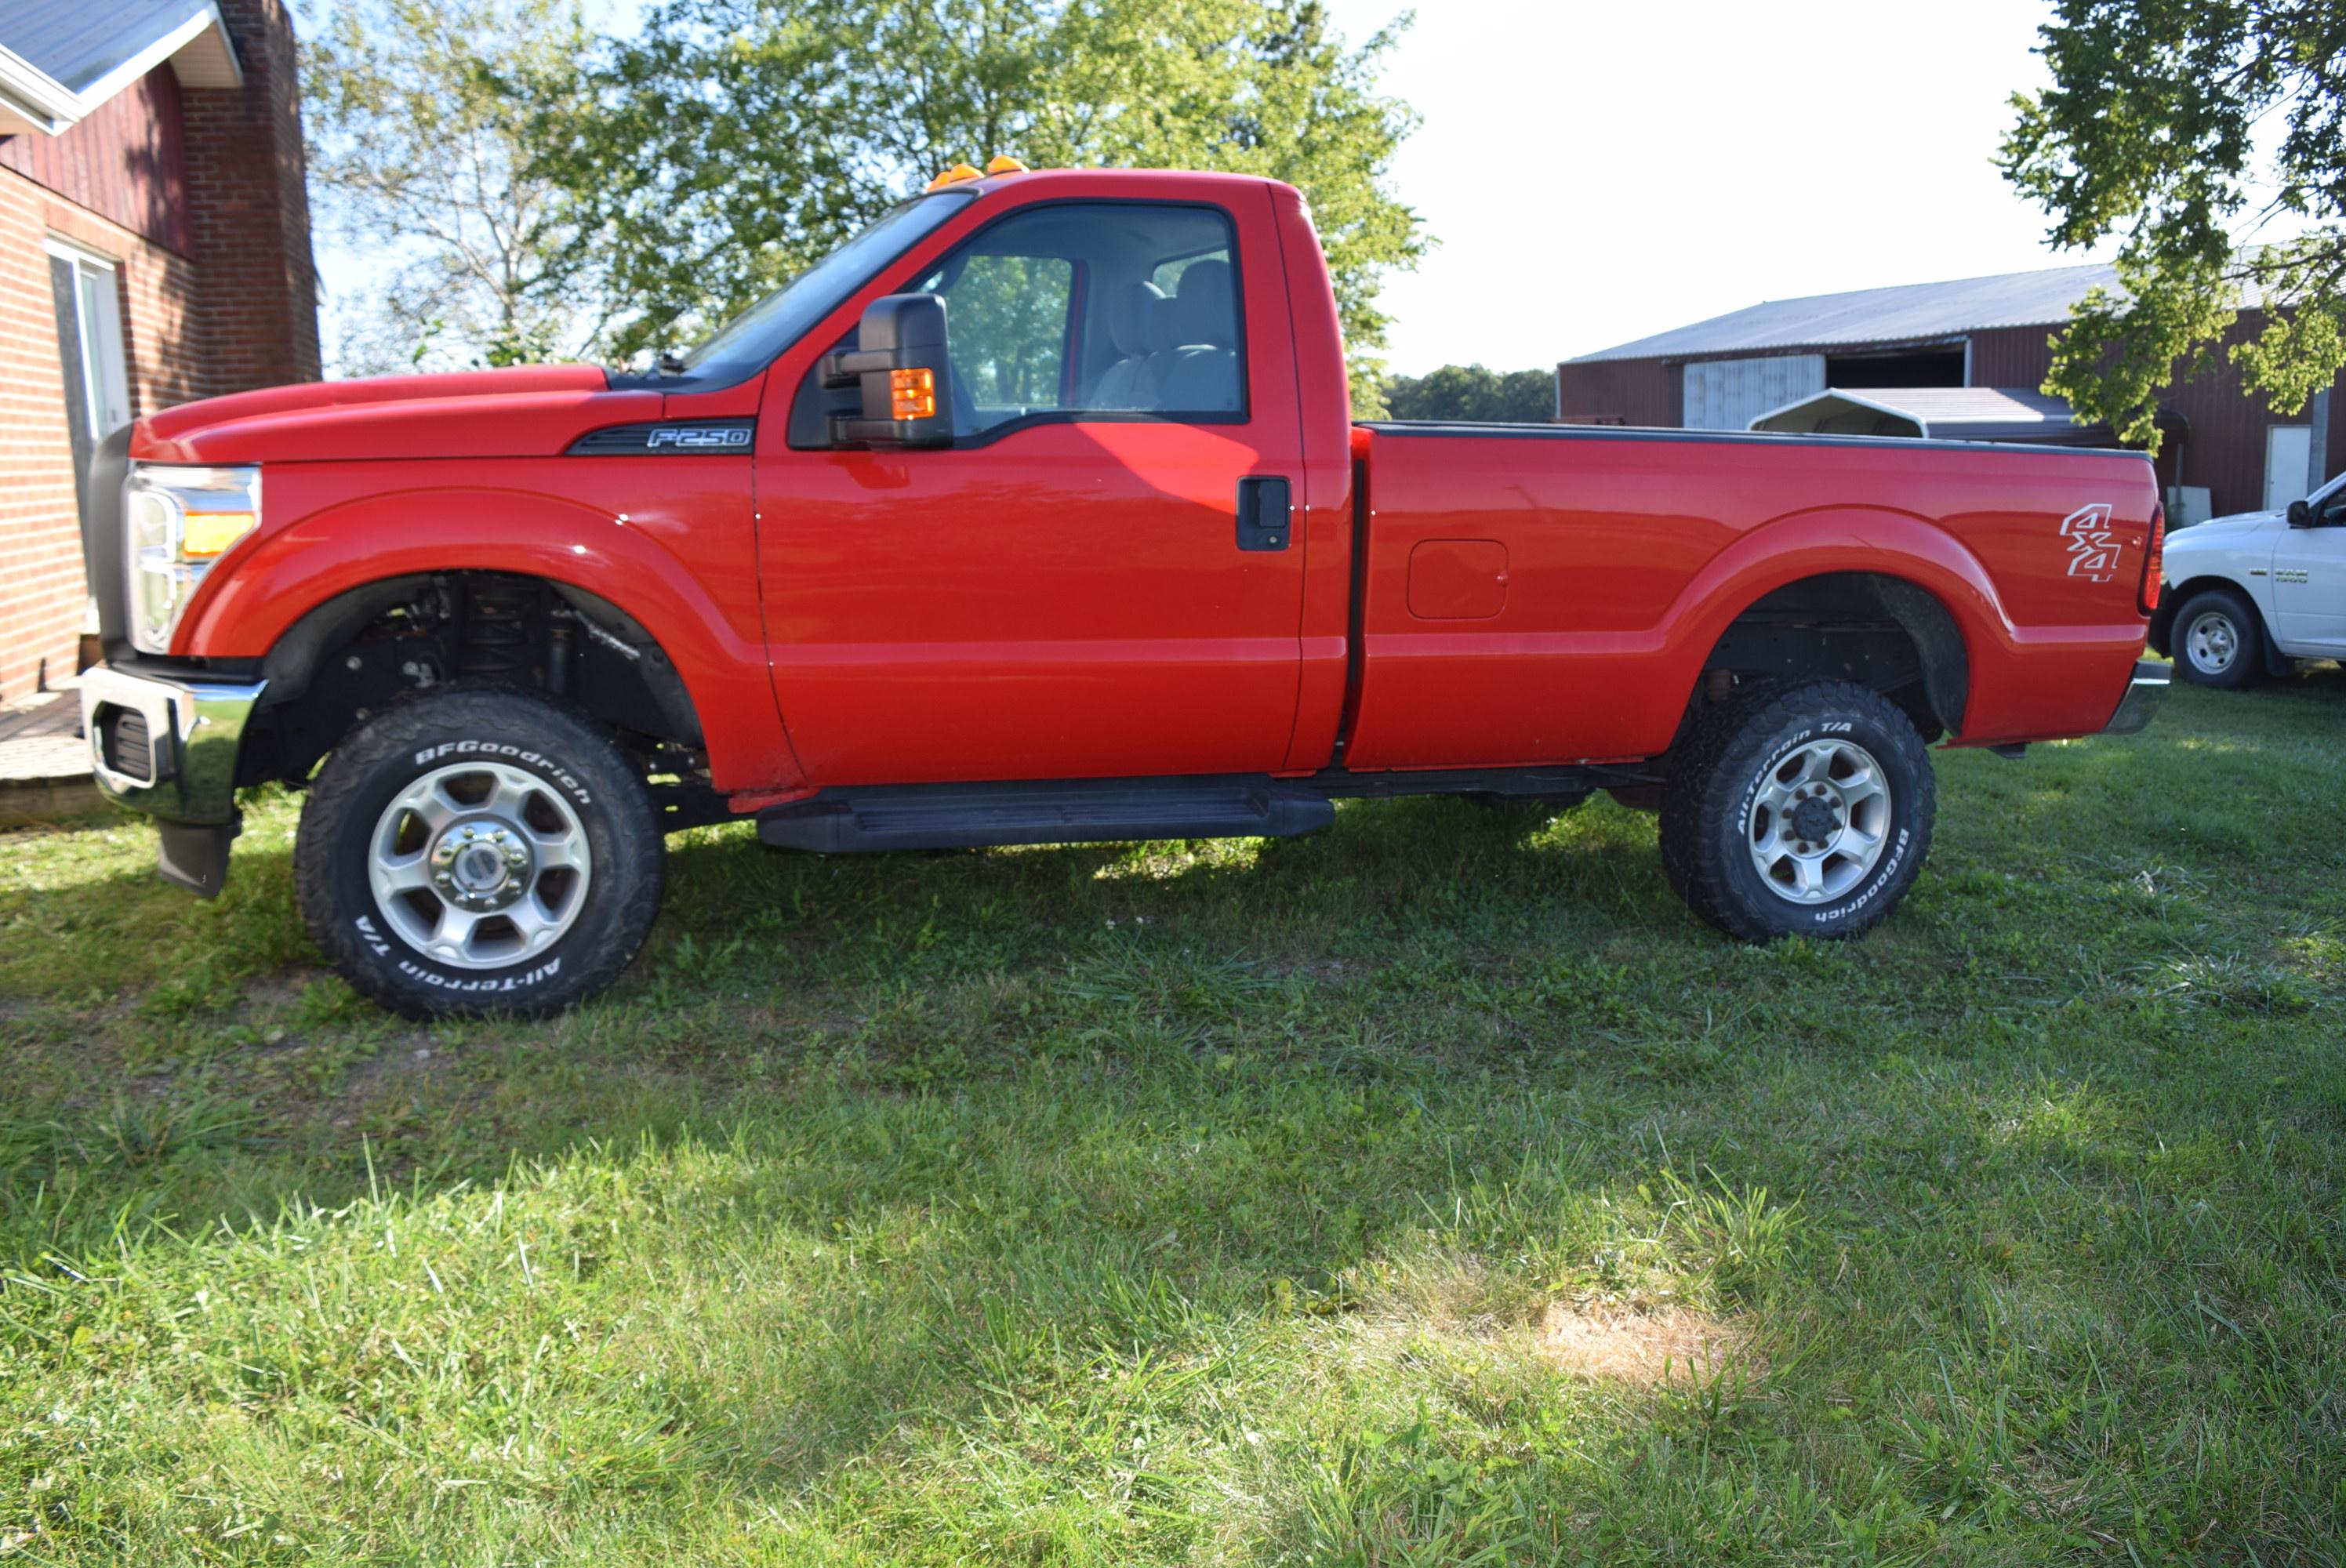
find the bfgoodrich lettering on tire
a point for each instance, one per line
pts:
(1801, 809)
(478, 850)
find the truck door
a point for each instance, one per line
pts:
(1067, 591)
(2309, 575)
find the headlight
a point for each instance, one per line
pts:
(178, 522)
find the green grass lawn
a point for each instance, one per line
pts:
(1430, 1190)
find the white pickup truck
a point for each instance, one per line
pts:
(2250, 595)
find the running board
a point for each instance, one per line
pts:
(1086, 812)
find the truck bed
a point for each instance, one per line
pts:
(1537, 593)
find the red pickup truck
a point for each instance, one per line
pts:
(1035, 513)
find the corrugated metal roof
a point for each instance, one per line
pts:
(1960, 405)
(1954, 413)
(1911, 310)
(79, 43)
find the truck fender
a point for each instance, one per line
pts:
(1896, 545)
(259, 593)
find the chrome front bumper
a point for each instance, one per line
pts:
(2140, 704)
(166, 746)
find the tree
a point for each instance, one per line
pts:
(2151, 132)
(735, 141)
(1473, 393)
(418, 155)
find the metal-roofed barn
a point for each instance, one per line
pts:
(1961, 360)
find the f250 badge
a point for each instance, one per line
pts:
(2094, 549)
(700, 437)
(683, 438)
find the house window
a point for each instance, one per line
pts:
(89, 347)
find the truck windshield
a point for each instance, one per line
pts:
(749, 343)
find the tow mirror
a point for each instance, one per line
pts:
(2301, 515)
(905, 371)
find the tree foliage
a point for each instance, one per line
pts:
(734, 141)
(418, 155)
(1474, 393)
(2185, 127)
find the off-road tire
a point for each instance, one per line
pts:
(1728, 758)
(552, 744)
(2247, 640)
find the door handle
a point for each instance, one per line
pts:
(1264, 502)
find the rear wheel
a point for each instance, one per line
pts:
(2218, 640)
(479, 851)
(1800, 810)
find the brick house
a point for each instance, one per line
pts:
(154, 248)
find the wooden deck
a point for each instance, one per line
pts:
(44, 761)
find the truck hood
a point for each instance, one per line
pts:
(2232, 529)
(527, 411)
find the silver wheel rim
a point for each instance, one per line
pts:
(479, 865)
(1819, 822)
(2213, 642)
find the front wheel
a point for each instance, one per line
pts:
(479, 851)
(1798, 811)
(2218, 640)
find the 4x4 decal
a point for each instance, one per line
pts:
(2094, 549)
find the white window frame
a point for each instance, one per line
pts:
(106, 358)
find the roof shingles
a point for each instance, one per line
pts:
(79, 43)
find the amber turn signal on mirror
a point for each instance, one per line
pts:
(913, 395)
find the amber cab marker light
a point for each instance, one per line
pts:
(913, 395)
(955, 176)
(1005, 164)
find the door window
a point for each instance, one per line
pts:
(1095, 309)
(1009, 317)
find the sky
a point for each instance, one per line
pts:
(1596, 172)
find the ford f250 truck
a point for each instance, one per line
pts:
(1035, 513)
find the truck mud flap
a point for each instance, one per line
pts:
(1089, 811)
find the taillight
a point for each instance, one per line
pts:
(2154, 561)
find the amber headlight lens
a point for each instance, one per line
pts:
(178, 521)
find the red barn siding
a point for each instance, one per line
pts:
(2012, 356)
(2222, 444)
(1619, 392)
(126, 161)
(2225, 449)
